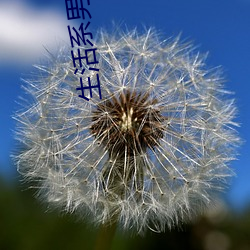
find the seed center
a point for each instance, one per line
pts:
(128, 124)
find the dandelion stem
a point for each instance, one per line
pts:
(105, 236)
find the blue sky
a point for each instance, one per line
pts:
(221, 27)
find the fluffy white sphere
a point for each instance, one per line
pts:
(150, 153)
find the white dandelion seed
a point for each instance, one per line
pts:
(150, 153)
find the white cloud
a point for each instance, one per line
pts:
(24, 31)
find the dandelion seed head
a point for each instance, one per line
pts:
(151, 153)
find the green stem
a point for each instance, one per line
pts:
(105, 236)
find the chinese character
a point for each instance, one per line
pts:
(87, 57)
(82, 36)
(90, 88)
(73, 10)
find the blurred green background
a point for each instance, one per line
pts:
(27, 225)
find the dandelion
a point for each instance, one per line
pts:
(151, 153)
